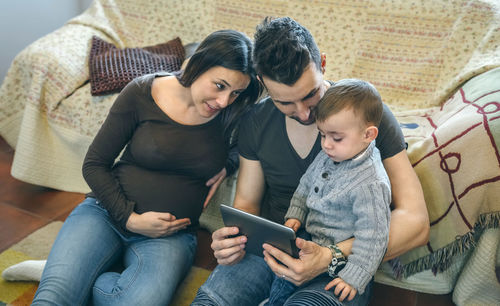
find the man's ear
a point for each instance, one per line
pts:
(371, 133)
(323, 62)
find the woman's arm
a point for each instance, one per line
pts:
(112, 137)
(115, 133)
(214, 183)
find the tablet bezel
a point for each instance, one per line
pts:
(259, 230)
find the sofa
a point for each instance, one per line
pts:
(436, 64)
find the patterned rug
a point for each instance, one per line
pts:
(37, 246)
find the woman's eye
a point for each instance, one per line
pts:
(219, 85)
(337, 139)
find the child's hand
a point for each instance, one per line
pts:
(293, 224)
(341, 286)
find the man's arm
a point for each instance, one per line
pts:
(409, 220)
(249, 192)
(250, 186)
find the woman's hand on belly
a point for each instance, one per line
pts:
(156, 224)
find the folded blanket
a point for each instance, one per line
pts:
(455, 151)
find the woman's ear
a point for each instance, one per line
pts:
(371, 133)
(259, 78)
(323, 62)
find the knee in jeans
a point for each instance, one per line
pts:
(203, 299)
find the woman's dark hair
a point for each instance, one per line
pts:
(232, 50)
(284, 49)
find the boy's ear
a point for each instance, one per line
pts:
(371, 133)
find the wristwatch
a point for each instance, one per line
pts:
(338, 261)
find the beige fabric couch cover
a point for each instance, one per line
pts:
(417, 53)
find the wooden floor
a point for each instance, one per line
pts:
(24, 208)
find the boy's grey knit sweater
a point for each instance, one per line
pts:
(343, 200)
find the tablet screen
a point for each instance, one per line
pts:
(259, 230)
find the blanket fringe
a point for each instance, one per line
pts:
(441, 259)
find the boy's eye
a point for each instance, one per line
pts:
(321, 135)
(285, 103)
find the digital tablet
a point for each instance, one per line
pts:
(259, 231)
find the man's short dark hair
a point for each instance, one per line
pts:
(283, 49)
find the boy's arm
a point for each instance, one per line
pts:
(370, 207)
(293, 224)
(298, 204)
(409, 227)
(342, 289)
(298, 208)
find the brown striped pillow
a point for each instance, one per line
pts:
(111, 68)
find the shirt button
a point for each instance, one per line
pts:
(316, 189)
(324, 175)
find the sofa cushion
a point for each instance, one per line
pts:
(111, 68)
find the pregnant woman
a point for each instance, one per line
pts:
(174, 131)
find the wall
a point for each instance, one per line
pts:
(24, 21)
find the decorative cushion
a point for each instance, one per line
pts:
(111, 68)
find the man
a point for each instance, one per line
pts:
(278, 140)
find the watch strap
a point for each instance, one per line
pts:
(338, 261)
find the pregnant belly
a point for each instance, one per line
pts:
(181, 196)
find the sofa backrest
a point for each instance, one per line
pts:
(415, 52)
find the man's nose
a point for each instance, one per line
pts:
(303, 111)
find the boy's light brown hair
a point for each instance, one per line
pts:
(360, 96)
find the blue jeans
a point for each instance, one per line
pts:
(249, 283)
(89, 244)
(281, 290)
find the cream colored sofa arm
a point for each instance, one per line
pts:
(52, 67)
